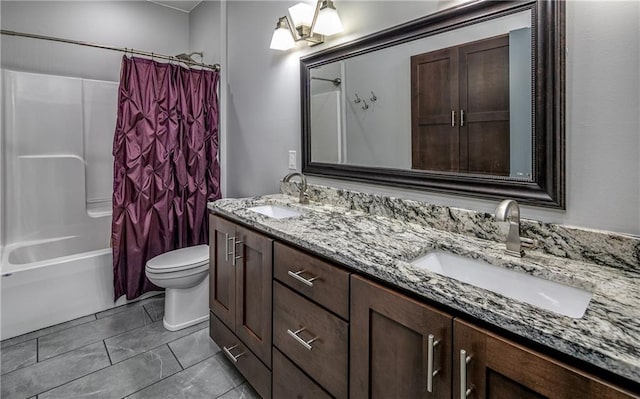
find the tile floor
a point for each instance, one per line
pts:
(123, 352)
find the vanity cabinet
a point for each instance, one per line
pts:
(240, 295)
(393, 352)
(298, 326)
(488, 366)
(310, 326)
(400, 348)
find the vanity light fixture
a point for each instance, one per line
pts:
(306, 23)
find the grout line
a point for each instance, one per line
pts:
(102, 339)
(53, 332)
(148, 314)
(77, 378)
(107, 350)
(174, 354)
(155, 382)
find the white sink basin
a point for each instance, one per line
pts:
(555, 297)
(276, 211)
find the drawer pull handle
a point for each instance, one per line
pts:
(227, 351)
(297, 276)
(301, 341)
(233, 251)
(226, 247)
(464, 360)
(431, 345)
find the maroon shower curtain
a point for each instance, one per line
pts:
(165, 165)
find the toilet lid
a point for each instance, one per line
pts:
(179, 259)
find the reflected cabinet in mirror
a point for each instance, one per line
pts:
(469, 100)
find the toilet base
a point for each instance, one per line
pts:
(184, 307)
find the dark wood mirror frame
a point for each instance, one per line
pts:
(547, 187)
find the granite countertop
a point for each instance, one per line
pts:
(607, 336)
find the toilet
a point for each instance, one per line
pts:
(184, 273)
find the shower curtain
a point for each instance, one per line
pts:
(165, 165)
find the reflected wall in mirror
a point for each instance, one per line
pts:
(469, 100)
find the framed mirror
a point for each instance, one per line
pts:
(468, 101)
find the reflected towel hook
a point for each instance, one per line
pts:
(357, 100)
(373, 97)
(365, 106)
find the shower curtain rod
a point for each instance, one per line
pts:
(215, 67)
(336, 81)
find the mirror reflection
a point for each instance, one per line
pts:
(457, 102)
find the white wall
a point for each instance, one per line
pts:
(603, 98)
(138, 24)
(204, 30)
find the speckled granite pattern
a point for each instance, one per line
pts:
(599, 247)
(608, 335)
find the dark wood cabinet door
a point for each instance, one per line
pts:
(484, 106)
(389, 345)
(254, 272)
(434, 107)
(501, 369)
(222, 275)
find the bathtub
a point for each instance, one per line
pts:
(50, 281)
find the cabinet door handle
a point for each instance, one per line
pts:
(226, 247)
(453, 118)
(464, 360)
(297, 276)
(227, 351)
(306, 344)
(233, 251)
(431, 346)
(461, 117)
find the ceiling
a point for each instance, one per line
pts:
(182, 5)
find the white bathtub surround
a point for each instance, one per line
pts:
(56, 264)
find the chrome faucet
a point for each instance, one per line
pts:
(508, 210)
(303, 188)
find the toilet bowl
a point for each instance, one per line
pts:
(184, 273)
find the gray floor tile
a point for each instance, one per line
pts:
(244, 391)
(208, 379)
(48, 330)
(40, 377)
(131, 343)
(155, 309)
(121, 379)
(19, 355)
(97, 330)
(123, 308)
(194, 348)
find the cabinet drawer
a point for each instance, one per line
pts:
(330, 285)
(313, 338)
(258, 375)
(290, 382)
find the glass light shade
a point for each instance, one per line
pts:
(302, 14)
(328, 22)
(282, 39)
